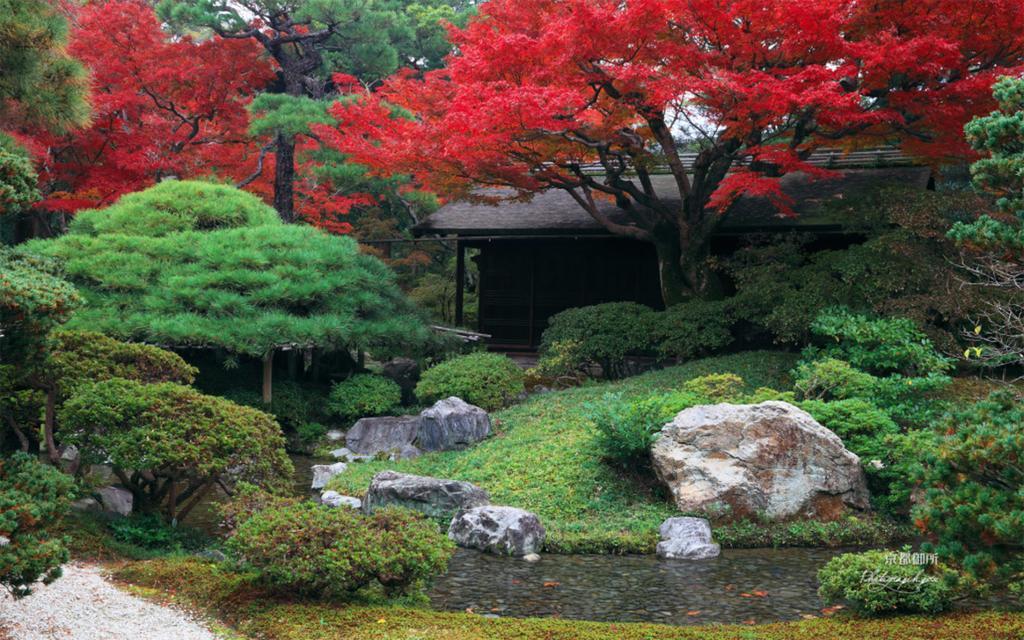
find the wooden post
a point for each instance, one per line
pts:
(268, 376)
(460, 281)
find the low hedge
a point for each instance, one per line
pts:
(488, 380)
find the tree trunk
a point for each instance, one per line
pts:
(284, 177)
(684, 272)
(268, 376)
(48, 424)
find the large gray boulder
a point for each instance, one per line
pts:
(116, 500)
(370, 436)
(322, 473)
(452, 423)
(501, 530)
(686, 539)
(769, 458)
(436, 497)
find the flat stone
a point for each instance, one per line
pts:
(532, 557)
(452, 423)
(322, 473)
(116, 500)
(335, 499)
(345, 454)
(501, 530)
(370, 436)
(435, 497)
(686, 538)
(335, 435)
(86, 504)
(407, 452)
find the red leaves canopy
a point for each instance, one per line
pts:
(161, 107)
(540, 86)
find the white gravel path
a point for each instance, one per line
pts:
(82, 605)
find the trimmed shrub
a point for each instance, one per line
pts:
(488, 380)
(876, 582)
(33, 499)
(364, 394)
(316, 550)
(626, 429)
(879, 346)
(602, 334)
(716, 387)
(973, 502)
(693, 329)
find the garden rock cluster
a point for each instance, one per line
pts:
(500, 530)
(450, 423)
(475, 522)
(769, 459)
(686, 538)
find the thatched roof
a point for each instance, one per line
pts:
(555, 213)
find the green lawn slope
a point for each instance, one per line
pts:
(544, 457)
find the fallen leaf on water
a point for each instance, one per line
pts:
(831, 610)
(552, 584)
(495, 609)
(746, 595)
(749, 622)
(693, 613)
(469, 609)
(730, 587)
(760, 594)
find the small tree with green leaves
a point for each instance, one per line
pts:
(170, 444)
(213, 267)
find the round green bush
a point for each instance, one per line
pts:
(601, 334)
(488, 380)
(364, 394)
(879, 582)
(315, 550)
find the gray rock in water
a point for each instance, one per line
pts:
(370, 436)
(452, 424)
(501, 530)
(322, 473)
(686, 539)
(435, 497)
(769, 458)
(532, 557)
(335, 499)
(116, 500)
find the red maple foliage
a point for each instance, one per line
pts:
(538, 88)
(161, 107)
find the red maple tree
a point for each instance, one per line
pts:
(539, 88)
(161, 107)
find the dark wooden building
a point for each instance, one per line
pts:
(540, 257)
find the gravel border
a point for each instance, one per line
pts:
(83, 605)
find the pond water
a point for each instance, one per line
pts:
(762, 585)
